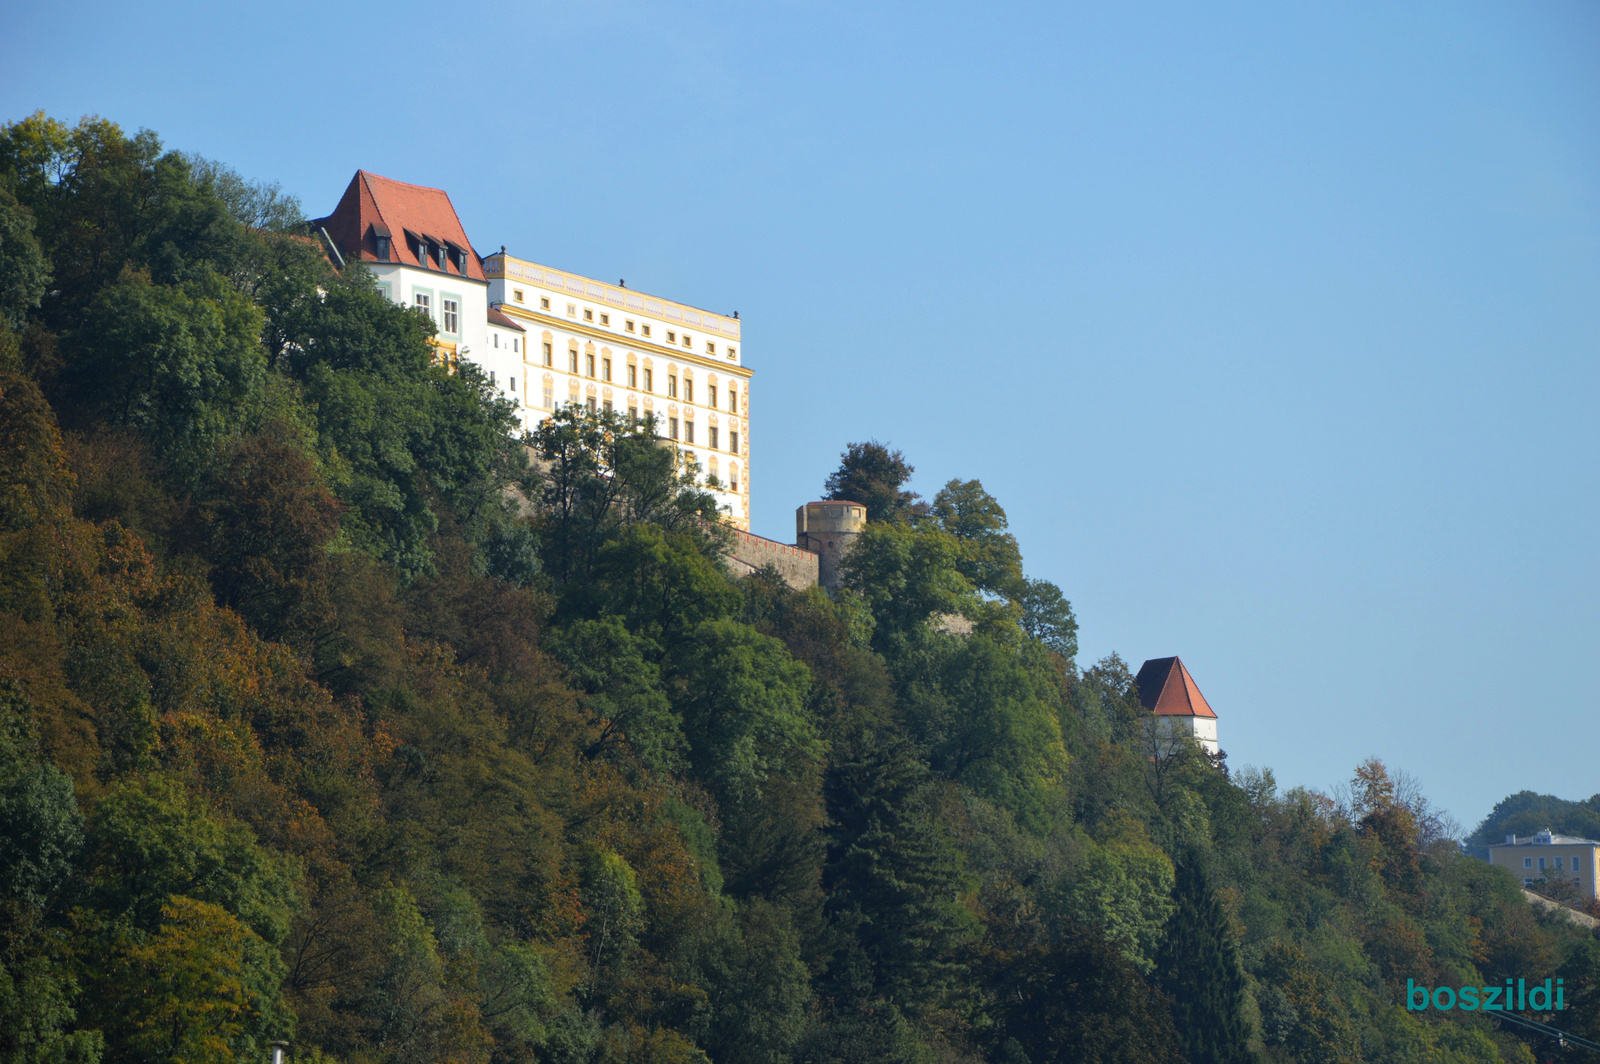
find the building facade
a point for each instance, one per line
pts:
(1547, 858)
(609, 347)
(549, 339)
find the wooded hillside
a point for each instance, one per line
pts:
(310, 731)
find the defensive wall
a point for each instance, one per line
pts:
(799, 568)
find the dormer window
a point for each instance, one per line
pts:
(380, 241)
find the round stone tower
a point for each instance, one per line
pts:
(827, 529)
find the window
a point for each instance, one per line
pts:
(590, 404)
(633, 412)
(672, 337)
(672, 427)
(688, 389)
(711, 348)
(605, 368)
(425, 302)
(607, 406)
(605, 319)
(572, 357)
(628, 325)
(388, 293)
(544, 303)
(572, 310)
(588, 315)
(645, 329)
(516, 346)
(1541, 864)
(496, 339)
(733, 352)
(1558, 864)
(452, 315)
(588, 365)
(733, 401)
(711, 437)
(549, 355)
(383, 249)
(491, 376)
(516, 295)
(711, 396)
(688, 432)
(649, 380)
(733, 481)
(633, 376)
(1527, 862)
(1527, 882)
(672, 386)
(687, 341)
(513, 384)
(733, 443)
(549, 396)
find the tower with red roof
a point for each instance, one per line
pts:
(1177, 708)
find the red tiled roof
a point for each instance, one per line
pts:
(1167, 690)
(497, 318)
(374, 206)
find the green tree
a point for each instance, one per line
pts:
(1074, 999)
(149, 840)
(743, 702)
(626, 695)
(40, 832)
(200, 989)
(24, 271)
(1198, 966)
(891, 879)
(603, 473)
(906, 575)
(990, 558)
(266, 527)
(1047, 616)
(180, 363)
(871, 474)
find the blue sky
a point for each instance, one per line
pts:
(1274, 329)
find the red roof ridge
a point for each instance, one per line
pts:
(1167, 689)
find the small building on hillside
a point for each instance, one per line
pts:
(1546, 858)
(1177, 708)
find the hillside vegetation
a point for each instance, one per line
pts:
(325, 716)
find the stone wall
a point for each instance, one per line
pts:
(752, 553)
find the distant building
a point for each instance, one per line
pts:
(550, 339)
(1550, 858)
(1177, 708)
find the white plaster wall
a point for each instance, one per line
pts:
(620, 343)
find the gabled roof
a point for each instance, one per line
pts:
(374, 206)
(1167, 690)
(496, 317)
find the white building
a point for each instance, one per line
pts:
(549, 338)
(412, 241)
(609, 347)
(1177, 708)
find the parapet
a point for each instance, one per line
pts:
(829, 515)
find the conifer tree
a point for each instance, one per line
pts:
(1199, 970)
